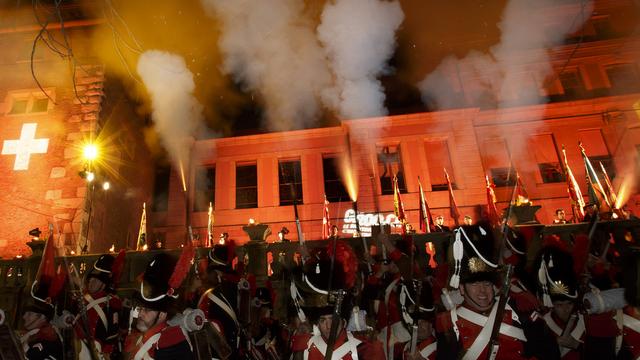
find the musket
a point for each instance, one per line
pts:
(365, 246)
(336, 320)
(414, 327)
(84, 321)
(494, 343)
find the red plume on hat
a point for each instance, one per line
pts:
(580, 253)
(117, 267)
(349, 261)
(182, 267)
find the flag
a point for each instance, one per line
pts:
(49, 281)
(398, 207)
(597, 195)
(209, 242)
(453, 207)
(426, 220)
(142, 234)
(492, 210)
(577, 201)
(326, 225)
(609, 187)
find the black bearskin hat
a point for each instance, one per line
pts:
(474, 255)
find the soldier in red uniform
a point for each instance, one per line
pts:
(102, 307)
(155, 337)
(321, 289)
(41, 340)
(465, 331)
(558, 287)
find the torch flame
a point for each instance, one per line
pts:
(112, 249)
(144, 247)
(349, 178)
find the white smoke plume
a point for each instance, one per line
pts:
(513, 70)
(358, 38)
(177, 114)
(270, 47)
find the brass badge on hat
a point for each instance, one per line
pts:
(476, 265)
(559, 288)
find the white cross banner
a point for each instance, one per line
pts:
(25, 146)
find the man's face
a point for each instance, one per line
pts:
(561, 215)
(440, 220)
(94, 285)
(425, 329)
(563, 309)
(33, 320)
(468, 221)
(324, 324)
(148, 318)
(479, 295)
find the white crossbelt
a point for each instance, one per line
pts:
(576, 333)
(350, 346)
(95, 304)
(143, 352)
(223, 305)
(483, 337)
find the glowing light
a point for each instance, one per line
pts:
(624, 191)
(182, 177)
(18, 256)
(90, 176)
(106, 186)
(90, 152)
(366, 221)
(349, 178)
(112, 249)
(72, 252)
(145, 247)
(252, 221)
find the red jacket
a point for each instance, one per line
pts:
(343, 347)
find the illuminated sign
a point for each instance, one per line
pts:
(366, 221)
(25, 146)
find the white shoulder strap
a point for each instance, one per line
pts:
(223, 305)
(143, 352)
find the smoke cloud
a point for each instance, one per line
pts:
(176, 113)
(270, 47)
(358, 38)
(511, 72)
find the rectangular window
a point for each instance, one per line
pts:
(546, 154)
(290, 180)
(161, 188)
(40, 105)
(572, 84)
(503, 176)
(390, 164)
(205, 188)
(19, 106)
(246, 186)
(333, 187)
(623, 78)
(438, 159)
(496, 159)
(597, 151)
